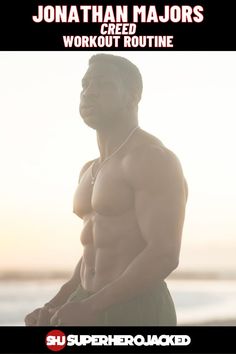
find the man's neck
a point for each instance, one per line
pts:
(111, 138)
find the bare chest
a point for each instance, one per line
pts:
(110, 195)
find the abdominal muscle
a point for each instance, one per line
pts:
(110, 245)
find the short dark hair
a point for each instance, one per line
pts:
(129, 72)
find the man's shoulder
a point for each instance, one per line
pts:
(150, 160)
(148, 149)
(85, 167)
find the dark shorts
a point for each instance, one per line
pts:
(152, 308)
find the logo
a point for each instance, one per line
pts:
(55, 340)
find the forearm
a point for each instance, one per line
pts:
(62, 295)
(145, 271)
(66, 290)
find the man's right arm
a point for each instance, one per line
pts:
(34, 318)
(66, 290)
(41, 316)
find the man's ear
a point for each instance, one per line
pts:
(132, 99)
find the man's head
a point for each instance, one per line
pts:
(111, 90)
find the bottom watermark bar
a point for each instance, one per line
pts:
(194, 340)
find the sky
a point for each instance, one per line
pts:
(188, 103)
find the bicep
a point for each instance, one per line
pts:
(160, 199)
(160, 218)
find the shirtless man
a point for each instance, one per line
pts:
(132, 201)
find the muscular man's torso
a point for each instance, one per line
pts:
(111, 237)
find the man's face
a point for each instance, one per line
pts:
(103, 96)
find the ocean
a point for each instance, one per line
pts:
(198, 302)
